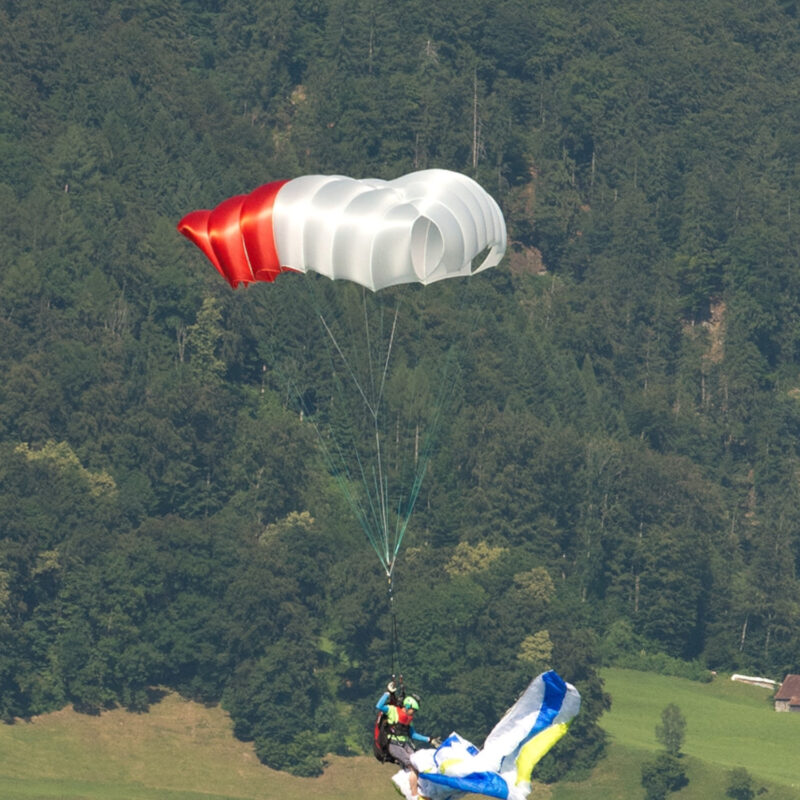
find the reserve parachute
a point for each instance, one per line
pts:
(416, 229)
(419, 228)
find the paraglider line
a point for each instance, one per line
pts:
(388, 354)
(359, 511)
(349, 368)
(380, 482)
(368, 339)
(395, 643)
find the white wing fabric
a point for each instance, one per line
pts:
(503, 767)
(419, 228)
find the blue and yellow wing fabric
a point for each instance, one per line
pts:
(503, 767)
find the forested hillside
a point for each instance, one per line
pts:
(615, 469)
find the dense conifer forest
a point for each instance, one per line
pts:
(614, 473)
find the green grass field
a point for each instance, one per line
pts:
(184, 751)
(178, 751)
(727, 725)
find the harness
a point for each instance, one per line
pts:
(399, 724)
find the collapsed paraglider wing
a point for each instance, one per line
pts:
(418, 228)
(503, 767)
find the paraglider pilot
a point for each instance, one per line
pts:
(401, 733)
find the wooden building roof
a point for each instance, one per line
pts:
(790, 689)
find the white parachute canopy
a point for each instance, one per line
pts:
(418, 228)
(516, 744)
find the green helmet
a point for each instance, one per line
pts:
(411, 702)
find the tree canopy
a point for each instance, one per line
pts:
(616, 473)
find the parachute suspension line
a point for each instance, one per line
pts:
(367, 515)
(366, 511)
(404, 517)
(372, 405)
(446, 387)
(383, 489)
(384, 518)
(341, 475)
(383, 481)
(388, 351)
(379, 515)
(347, 364)
(368, 340)
(395, 643)
(380, 480)
(384, 533)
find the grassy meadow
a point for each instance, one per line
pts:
(178, 751)
(184, 751)
(727, 725)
